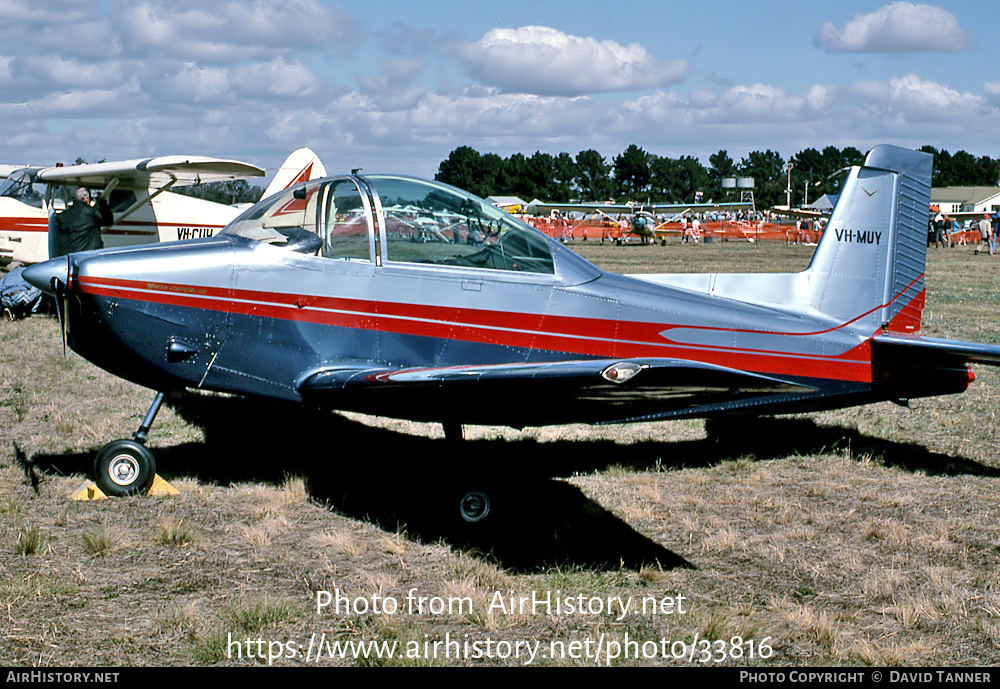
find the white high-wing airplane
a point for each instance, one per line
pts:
(137, 191)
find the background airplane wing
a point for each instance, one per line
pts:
(797, 212)
(5, 170)
(540, 208)
(151, 172)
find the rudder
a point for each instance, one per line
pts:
(874, 248)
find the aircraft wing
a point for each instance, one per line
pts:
(616, 389)
(681, 207)
(797, 212)
(539, 208)
(966, 215)
(145, 173)
(5, 170)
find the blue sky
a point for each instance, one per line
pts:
(395, 86)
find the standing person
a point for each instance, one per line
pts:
(948, 224)
(996, 230)
(938, 230)
(985, 234)
(78, 228)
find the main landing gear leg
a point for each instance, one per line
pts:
(452, 431)
(473, 505)
(127, 467)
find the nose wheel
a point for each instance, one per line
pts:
(127, 467)
(124, 467)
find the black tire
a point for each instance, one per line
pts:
(124, 467)
(474, 506)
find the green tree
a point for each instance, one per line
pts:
(665, 180)
(593, 176)
(541, 177)
(462, 168)
(678, 181)
(227, 193)
(516, 171)
(493, 177)
(720, 166)
(632, 173)
(768, 170)
(566, 172)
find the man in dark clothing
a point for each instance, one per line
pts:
(79, 226)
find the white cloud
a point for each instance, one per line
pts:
(992, 91)
(922, 99)
(70, 28)
(545, 61)
(819, 97)
(6, 74)
(395, 77)
(760, 101)
(196, 84)
(30, 11)
(232, 31)
(402, 39)
(219, 82)
(901, 27)
(280, 77)
(60, 72)
(124, 101)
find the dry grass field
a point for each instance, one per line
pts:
(864, 537)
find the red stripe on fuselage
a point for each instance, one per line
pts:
(574, 335)
(9, 224)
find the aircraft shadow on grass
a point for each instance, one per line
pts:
(401, 481)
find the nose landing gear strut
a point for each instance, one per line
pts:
(127, 467)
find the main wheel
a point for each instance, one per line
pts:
(124, 467)
(474, 506)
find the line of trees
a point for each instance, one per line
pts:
(640, 176)
(227, 193)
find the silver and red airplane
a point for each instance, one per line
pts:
(412, 299)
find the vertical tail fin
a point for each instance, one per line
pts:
(874, 248)
(301, 166)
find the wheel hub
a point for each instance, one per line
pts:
(123, 470)
(475, 506)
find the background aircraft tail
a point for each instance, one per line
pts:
(873, 250)
(301, 166)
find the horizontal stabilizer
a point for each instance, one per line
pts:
(940, 352)
(905, 368)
